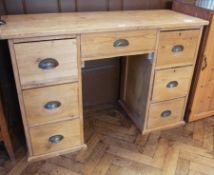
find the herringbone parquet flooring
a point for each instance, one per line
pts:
(115, 147)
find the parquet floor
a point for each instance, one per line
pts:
(115, 147)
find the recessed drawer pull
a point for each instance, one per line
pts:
(177, 48)
(121, 43)
(48, 63)
(166, 113)
(172, 84)
(56, 139)
(52, 105)
(2, 22)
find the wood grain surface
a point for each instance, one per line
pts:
(39, 137)
(101, 45)
(34, 25)
(168, 40)
(29, 55)
(36, 99)
(176, 107)
(163, 78)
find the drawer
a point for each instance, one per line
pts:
(50, 104)
(102, 45)
(177, 48)
(171, 83)
(46, 62)
(55, 137)
(166, 113)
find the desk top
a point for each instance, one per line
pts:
(35, 25)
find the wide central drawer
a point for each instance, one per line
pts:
(171, 83)
(46, 62)
(55, 137)
(102, 45)
(51, 104)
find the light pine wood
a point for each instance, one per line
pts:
(40, 135)
(151, 82)
(181, 75)
(185, 102)
(19, 92)
(203, 103)
(58, 153)
(187, 38)
(94, 34)
(136, 87)
(43, 38)
(29, 55)
(101, 45)
(80, 102)
(140, 72)
(175, 106)
(34, 25)
(36, 99)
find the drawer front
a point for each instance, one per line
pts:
(46, 62)
(177, 48)
(166, 113)
(55, 137)
(50, 104)
(110, 44)
(171, 83)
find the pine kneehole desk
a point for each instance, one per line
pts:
(47, 51)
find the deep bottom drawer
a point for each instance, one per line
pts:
(55, 137)
(166, 113)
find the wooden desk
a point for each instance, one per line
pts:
(47, 51)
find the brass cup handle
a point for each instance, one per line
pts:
(52, 105)
(172, 84)
(178, 48)
(121, 43)
(48, 63)
(55, 139)
(2, 22)
(166, 113)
